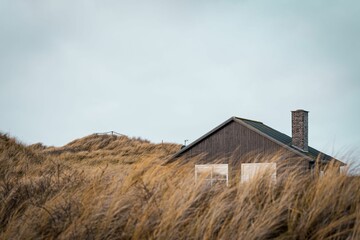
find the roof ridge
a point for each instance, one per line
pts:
(246, 119)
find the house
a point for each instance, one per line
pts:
(232, 144)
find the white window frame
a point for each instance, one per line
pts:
(222, 169)
(251, 170)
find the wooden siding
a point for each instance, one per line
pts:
(235, 144)
(232, 138)
(235, 141)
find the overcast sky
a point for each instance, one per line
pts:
(173, 70)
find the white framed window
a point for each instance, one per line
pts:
(212, 173)
(250, 170)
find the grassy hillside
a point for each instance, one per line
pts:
(99, 149)
(110, 187)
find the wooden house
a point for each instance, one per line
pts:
(231, 147)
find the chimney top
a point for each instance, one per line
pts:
(300, 110)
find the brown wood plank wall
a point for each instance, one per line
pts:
(233, 138)
(234, 142)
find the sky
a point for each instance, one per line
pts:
(174, 70)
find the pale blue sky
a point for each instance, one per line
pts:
(173, 70)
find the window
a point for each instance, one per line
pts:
(212, 173)
(250, 170)
(344, 169)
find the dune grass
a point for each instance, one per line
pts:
(109, 187)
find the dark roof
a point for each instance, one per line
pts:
(283, 138)
(268, 132)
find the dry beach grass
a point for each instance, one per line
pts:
(111, 187)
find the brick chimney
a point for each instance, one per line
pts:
(300, 129)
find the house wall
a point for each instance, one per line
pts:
(233, 139)
(235, 144)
